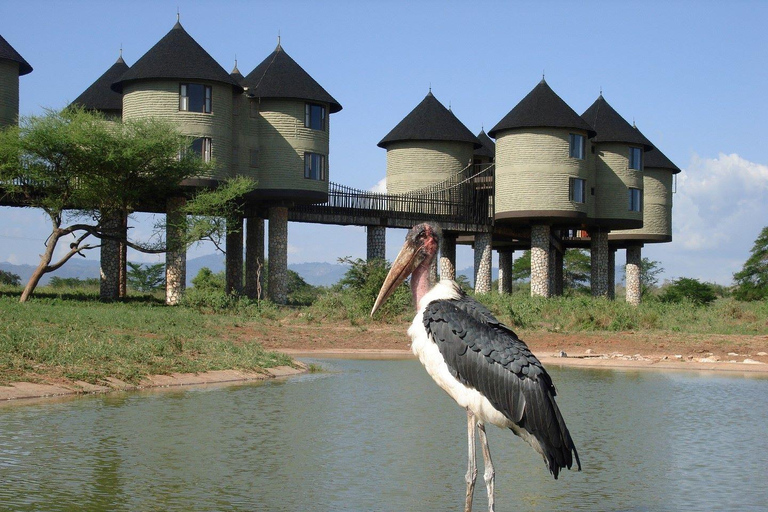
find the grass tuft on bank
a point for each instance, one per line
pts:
(87, 340)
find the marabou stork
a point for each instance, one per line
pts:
(479, 362)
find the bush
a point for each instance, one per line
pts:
(9, 278)
(688, 289)
(73, 282)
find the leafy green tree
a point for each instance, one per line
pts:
(521, 267)
(209, 281)
(686, 288)
(752, 279)
(83, 170)
(9, 278)
(649, 275)
(577, 269)
(146, 278)
(365, 278)
(73, 282)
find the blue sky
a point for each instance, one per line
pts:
(692, 75)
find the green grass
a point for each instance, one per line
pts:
(84, 339)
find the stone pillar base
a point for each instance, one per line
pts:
(234, 259)
(254, 258)
(376, 243)
(448, 257)
(540, 247)
(277, 285)
(176, 252)
(505, 271)
(634, 287)
(600, 262)
(483, 260)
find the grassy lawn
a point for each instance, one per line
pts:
(81, 338)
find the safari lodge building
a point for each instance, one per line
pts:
(553, 179)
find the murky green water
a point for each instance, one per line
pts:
(379, 435)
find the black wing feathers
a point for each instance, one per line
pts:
(488, 356)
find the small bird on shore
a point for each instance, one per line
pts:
(479, 362)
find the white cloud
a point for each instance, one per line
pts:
(380, 186)
(720, 207)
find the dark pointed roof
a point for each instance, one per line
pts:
(488, 148)
(176, 56)
(611, 127)
(279, 76)
(430, 120)
(99, 95)
(658, 160)
(542, 108)
(8, 53)
(236, 75)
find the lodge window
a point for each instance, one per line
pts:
(578, 190)
(314, 166)
(195, 98)
(202, 148)
(314, 116)
(576, 145)
(635, 200)
(636, 158)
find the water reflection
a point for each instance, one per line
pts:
(379, 435)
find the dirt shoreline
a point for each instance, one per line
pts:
(735, 354)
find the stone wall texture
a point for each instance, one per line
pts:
(9, 93)
(533, 172)
(278, 255)
(505, 271)
(176, 254)
(540, 247)
(600, 263)
(282, 142)
(412, 165)
(613, 178)
(448, 257)
(483, 260)
(634, 288)
(376, 243)
(109, 261)
(160, 99)
(254, 257)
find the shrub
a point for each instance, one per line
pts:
(686, 288)
(9, 278)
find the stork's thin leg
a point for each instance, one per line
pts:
(472, 464)
(489, 474)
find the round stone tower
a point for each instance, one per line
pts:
(179, 81)
(12, 66)
(284, 140)
(618, 162)
(428, 146)
(543, 166)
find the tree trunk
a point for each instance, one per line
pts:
(42, 268)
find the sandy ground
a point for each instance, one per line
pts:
(662, 351)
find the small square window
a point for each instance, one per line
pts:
(576, 146)
(578, 190)
(195, 98)
(202, 147)
(636, 158)
(314, 166)
(314, 116)
(635, 200)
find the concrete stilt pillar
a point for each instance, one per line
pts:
(277, 285)
(234, 259)
(254, 257)
(505, 271)
(109, 271)
(483, 260)
(599, 252)
(540, 248)
(176, 253)
(448, 257)
(376, 243)
(634, 287)
(123, 290)
(557, 272)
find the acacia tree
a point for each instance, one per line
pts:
(83, 171)
(752, 279)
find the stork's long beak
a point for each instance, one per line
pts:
(405, 263)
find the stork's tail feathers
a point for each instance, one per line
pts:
(561, 453)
